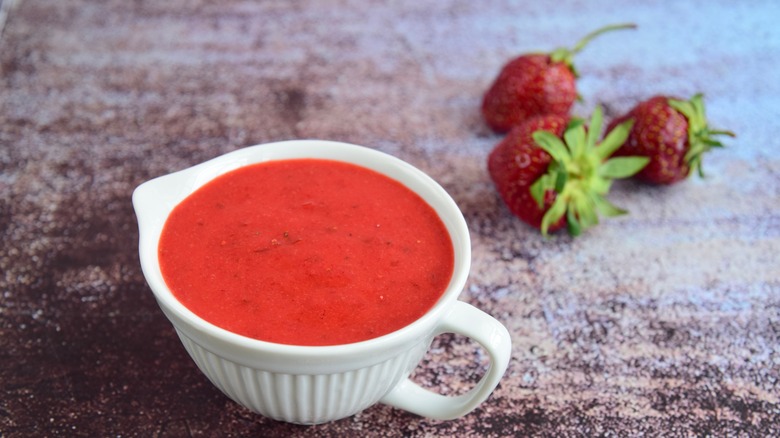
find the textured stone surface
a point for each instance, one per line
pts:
(664, 322)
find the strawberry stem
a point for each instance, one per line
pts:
(587, 38)
(566, 55)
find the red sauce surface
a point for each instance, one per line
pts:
(306, 252)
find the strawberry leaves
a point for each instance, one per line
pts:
(581, 173)
(701, 138)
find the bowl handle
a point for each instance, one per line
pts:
(467, 320)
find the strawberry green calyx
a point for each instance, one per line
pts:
(566, 55)
(701, 138)
(581, 172)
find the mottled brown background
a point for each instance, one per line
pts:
(665, 322)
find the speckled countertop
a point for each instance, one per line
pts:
(665, 322)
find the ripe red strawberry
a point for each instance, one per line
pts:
(517, 162)
(551, 172)
(535, 84)
(673, 133)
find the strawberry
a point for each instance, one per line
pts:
(535, 84)
(673, 133)
(517, 162)
(551, 172)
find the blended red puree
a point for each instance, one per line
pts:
(306, 252)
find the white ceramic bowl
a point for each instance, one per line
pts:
(303, 384)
